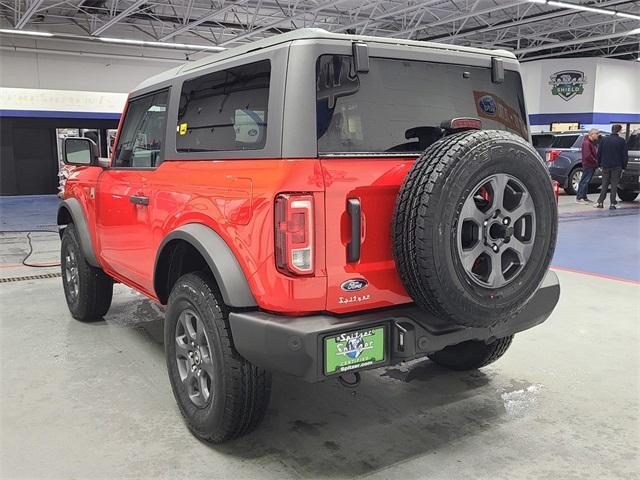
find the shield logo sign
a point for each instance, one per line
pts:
(567, 84)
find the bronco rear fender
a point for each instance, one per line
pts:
(70, 211)
(229, 276)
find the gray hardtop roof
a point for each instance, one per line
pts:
(305, 34)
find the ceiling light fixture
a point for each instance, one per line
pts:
(27, 32)
(123, 41)
(575, 6)
(146, 43)
(581, 7)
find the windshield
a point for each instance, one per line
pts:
(398, 105)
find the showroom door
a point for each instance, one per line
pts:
(124, 201)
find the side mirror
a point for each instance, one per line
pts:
(80, 151)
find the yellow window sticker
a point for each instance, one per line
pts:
(182, 129)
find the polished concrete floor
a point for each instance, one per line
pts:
(93, 401)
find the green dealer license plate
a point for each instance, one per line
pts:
(351, 350)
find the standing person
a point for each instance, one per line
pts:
(589, 165)
(612, 158)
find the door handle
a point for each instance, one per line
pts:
(139, 200)
(353, 247)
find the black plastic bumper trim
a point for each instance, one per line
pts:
(293, 345)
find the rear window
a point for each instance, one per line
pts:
(398, 105)
(225, 110)
(542, 141)
(565, 141)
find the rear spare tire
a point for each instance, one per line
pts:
(474, 227)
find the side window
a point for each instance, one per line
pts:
(225, 110)
(143, 130)
(565, 141)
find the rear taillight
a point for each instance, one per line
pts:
(294, 234)
(552, 155)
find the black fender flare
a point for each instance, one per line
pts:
(224, 265)
(70, 211)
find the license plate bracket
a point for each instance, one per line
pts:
(355, 349)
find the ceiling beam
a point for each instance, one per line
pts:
(577, 41)
(282, 20)
(577, 51)
(628, 52)
(502, 25)
(205, 18)
(28, 13)
(125, 13)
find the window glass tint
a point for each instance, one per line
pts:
(142, 134)
(398, 105)
(634, 140)
(225, 110)
(564, 141)
(542, 141)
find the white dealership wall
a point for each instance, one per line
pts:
(611, 92)
(60, 76)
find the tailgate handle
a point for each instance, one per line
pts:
(353, 247)
(139, 200)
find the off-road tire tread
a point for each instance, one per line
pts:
(96, 288)
(249, 389)
(411, 243)
(492, 352)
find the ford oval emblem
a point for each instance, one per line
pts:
(354, 284)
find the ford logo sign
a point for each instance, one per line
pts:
(488, 105)
(354, 284)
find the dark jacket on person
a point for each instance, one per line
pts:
(589, 154)
(612, 152)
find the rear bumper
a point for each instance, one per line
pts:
(294, 345)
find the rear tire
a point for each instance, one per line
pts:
(88, 290)
(627, 196)
(471, 355)
(220, 394)
(573, 181)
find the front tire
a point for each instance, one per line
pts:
(471, 355)
(220, 394)
(88, 290)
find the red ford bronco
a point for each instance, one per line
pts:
(316, 204)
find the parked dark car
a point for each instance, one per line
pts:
(630, 184)
(562, 152)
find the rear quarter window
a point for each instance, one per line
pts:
(565, 141)
(542, 141)
(398, 105)
(225, 110)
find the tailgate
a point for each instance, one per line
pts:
(374, 184)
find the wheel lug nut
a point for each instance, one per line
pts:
(486, 223)
(505, 221)
(495, 248)
(193, 368)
